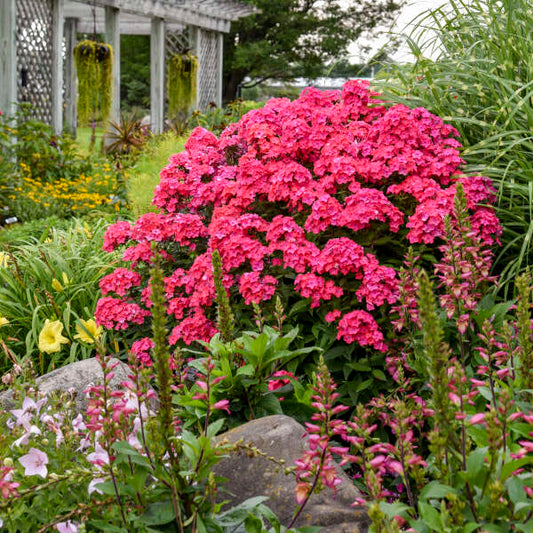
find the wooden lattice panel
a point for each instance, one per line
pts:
(207, 68)
(34, 56)
(176, 42)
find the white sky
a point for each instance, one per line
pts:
(412, 9)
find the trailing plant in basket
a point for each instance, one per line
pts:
(94, 66)
(314, 200)
(181, 84)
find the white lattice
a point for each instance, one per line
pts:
(208, 64)
(34, 56)
(176, 42)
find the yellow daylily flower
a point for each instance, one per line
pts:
(50, 338)
(88, 331)
(57, 286)
(3, 259)
(3, 321)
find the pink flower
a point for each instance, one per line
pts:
(67, 527)
(223, 405)
(34, 463)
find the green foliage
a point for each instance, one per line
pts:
(216, 119)
(125, 138)
(181, 84)
(289, 38)
(94, 67)
(481, 84)
(144, 175)
(53, 277)
(135, 71)
(248, 364)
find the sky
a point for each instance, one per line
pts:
(411, 10)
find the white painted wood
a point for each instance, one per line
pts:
(215, 15)
(195, 40)
(157, 74)
(112, 37)
(57, 66)
(8, 57)
(71, 79)
(220, 69)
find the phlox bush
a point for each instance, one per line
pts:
(315, 199)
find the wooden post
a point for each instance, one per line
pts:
(157, 74)
(195, 39)
(8, 57)
(112, 37)
(220, 68)
(71, 89)
(57, 66)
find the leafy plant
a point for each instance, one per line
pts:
(51, 277)
(181, 83)
(481, 84)
(94, 67)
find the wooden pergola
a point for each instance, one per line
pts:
(37, 38)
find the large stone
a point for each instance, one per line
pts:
(76, 376)
(280, 437)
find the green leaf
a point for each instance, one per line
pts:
(214, 428)
(104, 525)
(238, 514)
(436, 490)
(394, 509)
(430, 516)
(379, 374)
(252, 524)
(158, 513)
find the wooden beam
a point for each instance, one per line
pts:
(127, 27)
(71, 90)
(8, 57)
(157, 74)
(57, 66)
(171, 12)
(112, 37)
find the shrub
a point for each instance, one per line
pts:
(315, 200)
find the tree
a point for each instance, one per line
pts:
(296, 38)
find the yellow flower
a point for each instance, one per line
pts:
(88, 331)
(57, 286)
(3, 321)
(50, 338)
(3, 259)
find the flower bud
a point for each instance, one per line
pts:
(8, 462)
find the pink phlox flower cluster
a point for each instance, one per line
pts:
(120, 281)
(316, 288)
(142, 348)
(116, 235)
(360, 326)
(118, 314)
(286, 191)
(255, 288)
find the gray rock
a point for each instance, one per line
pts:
(280, 437)
(77, 376)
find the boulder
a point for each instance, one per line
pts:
(280, 437)
(77, 376)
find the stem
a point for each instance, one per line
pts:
(313, 486)
(405, 477)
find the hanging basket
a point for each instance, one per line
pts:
(94, 64)
(181, 84)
